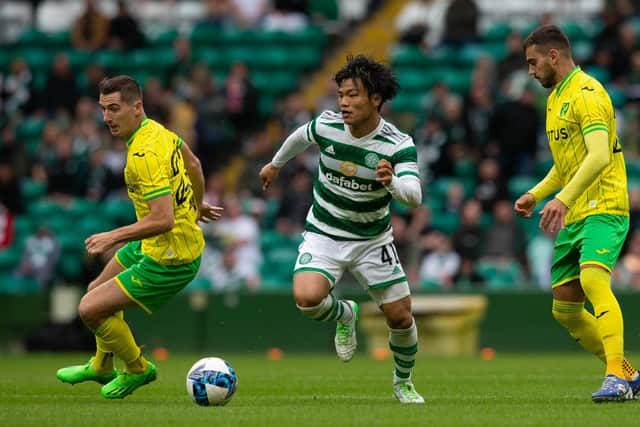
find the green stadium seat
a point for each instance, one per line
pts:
(518, 185)
(213, 57)
(31, 37)
(582, 50)
(275, 82)
(442, 56)
(163, 39)
(498, 31)
(500, 275)
(542, 166)
(119, 211)
(408, 102)
(415, 79)
(205, 35)
(39, 59)
(445, 222)
(407, 56)
(10, 257)
(30, 128)
(327, 9)
(70, 266)
(79, 59)
(577, 31)
(458, 81)
(599, 73)
(110, 59)
(32, 189)
(266, 105)
(19, 285)
(618, 97)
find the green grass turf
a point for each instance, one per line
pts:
(318, 390)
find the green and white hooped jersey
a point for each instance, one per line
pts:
(348, 203)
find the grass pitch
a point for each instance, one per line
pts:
(318, 390)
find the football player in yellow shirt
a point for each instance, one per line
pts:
(590, 211)
(162, 251)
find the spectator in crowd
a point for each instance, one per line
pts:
(440, 267)
(468, 237)
(180, 70)
(421, 22)
(13, 151)
(477, 112)
(156, 100)
(295, 203)
(539, 257)
(241, 233)
(66, 171)
(490, 184)
(512, 61)
(60, 93)
(250, 12)
(504, 241)
(39, 257)
(91, 29)
(94, 73)
(7, 227)
(16, 89)
(219, 14)
(285, 15)
(124, 31)
(294, 114)
(627, 271)
(514, 131)
(241, 99)
(461, 22)
(10, 191)
(211, 125)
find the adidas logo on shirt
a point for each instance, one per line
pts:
(330, 150)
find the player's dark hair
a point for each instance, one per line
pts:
(548, 36)
(375, 76)
(129, 89)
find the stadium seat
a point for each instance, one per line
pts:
(497, 31)
(274, 83)
(407, 56)
(29, 128)
(39, 59)
(32, 189)
(9, 257)
(118, 211)
(520, 184)
(408, 102)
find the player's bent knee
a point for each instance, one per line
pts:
(308, 299)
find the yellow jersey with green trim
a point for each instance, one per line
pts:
(576, 106)
(155, 168)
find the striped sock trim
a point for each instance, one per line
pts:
(567, 306)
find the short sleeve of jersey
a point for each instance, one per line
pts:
(151, 176)
(405, 160)
(592, 109)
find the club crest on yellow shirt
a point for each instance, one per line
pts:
(564, 108)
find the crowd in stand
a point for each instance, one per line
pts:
(473, 147)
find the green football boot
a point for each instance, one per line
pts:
(126, 382)
(81, 373)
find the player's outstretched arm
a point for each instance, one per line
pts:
(159, 220)
(295, 144)
(523, 207)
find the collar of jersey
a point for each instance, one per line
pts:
(563, 83)
(369, 135)
(143, 123)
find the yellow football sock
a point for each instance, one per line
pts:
(116, 337)
(581, 325)
(597, 287)
(103, 360)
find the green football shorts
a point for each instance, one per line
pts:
(149, 283)
(597, 239)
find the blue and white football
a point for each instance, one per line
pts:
(211, 381)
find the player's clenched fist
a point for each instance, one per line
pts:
(524, 205)
(268, 174)
(384, 172)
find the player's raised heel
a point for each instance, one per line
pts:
(405, 392)
(126, 382)
(345, 339)
(613, 389)
(81, 373)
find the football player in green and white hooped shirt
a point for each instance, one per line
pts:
(364, 163)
